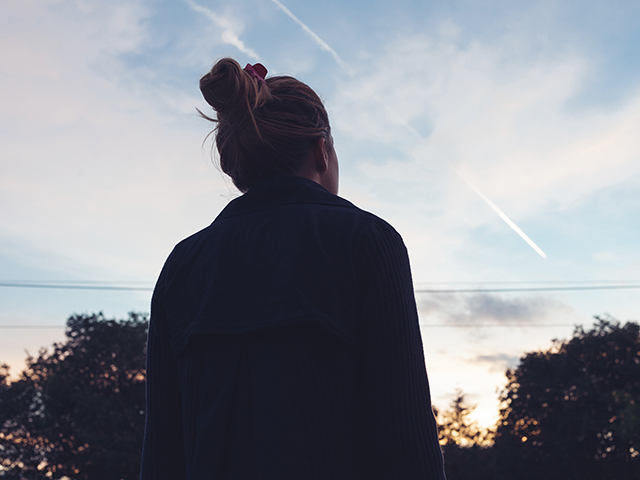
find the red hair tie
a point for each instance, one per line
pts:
(257, 71)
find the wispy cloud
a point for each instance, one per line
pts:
(502, 122)
(408, 127)
(229, 35)
(481, 309)
(75, 156)
(498, 362)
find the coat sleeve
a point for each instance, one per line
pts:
(398, 419)
(163, 447)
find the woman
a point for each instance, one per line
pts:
(284, 339)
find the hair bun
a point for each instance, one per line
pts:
(232, 92)
(225, 87)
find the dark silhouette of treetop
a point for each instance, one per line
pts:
(465, 444)
(78, 411)
(573, 412)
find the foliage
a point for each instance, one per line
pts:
(456, 427)
(573, 412)
(465, 445)
(79, 410)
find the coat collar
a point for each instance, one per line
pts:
(281, 190)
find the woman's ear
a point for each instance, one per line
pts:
(323, 155)
(320, 155)
(321, 165)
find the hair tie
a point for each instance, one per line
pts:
(257, 71)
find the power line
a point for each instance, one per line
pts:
(16, 327)
(453, 282)
(64, 286)
(435, 325)
(524, 282)
(483, 325)
(146, 282)
(528, 289)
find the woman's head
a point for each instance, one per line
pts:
(264, 127)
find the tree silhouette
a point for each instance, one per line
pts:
(79, 410)
(465, 445)
(573, 412)
(456, 427)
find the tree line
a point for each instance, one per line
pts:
(570, 412)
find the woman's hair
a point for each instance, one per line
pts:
(263, 127)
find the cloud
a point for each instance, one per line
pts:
(514, 123)
(92, 167)
(230, 33)
(499, 362)
(481, 309)
(120, 28)
(606, 257)
(509, 123)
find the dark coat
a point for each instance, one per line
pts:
(284, 344)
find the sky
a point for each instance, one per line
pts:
(448, 117)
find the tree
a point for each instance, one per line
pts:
(573, 412)
(465, 445)
(456, 427)
(79, 410)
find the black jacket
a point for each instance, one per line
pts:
(284, 344)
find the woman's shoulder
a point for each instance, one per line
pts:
(296, 204)
(371, 224)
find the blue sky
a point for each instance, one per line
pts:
(536, 104)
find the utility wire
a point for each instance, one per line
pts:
(527, 289)
(520, 282)
(62, 286)
(424, 325)
(36, 327)
(483, 325)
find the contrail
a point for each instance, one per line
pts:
(228, 35)
(391, 115)
(503, 216)
(315, 37)
(411, 130)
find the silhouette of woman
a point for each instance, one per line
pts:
(284, 341)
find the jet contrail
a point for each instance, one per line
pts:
(315, 37)
(228, 35)
(391, 115)
(349, 71)
(503, 216)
